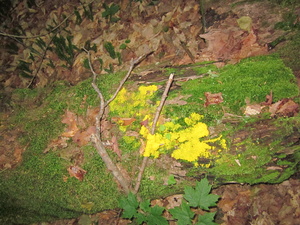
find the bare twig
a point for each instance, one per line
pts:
(111, 166)
(157, 114)
(43, 57)
(133, 63)
(100, 95)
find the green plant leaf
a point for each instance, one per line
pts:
(114, 19)
(129, 205)
(110, 11)
(171, 180)
(145, 205)
(150, 215)
(123, 46)
(155, 216)
(141, 218)
(200, 197)
(110, 49)
(183, 214)
(206, 219)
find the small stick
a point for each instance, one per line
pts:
(133, 63)
(111, 166)
(158, 111)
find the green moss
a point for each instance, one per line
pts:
(152, 185)
(289, 52)
(36, 190)
(252, 78)
(261, 160)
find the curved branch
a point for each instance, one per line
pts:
(111, 166)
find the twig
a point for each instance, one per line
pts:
(43, 57)
(133, 63)
(111, 166)
(157, 114)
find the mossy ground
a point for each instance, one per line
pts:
(36, 190)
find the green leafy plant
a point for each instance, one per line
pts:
(110, 11)
(142, 211)
(112, 53)
(64, 49)
(88, 11)
(290, 22)
(110, 69)
(78, 16)
(198, 197)
(110, 49)
(23, 66)
(124, 45)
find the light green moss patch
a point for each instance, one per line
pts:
(252, 78)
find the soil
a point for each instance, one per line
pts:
(239, 204)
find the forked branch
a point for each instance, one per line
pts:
(111, 166)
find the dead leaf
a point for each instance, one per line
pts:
(212, 99)
(269, 99)
(253, 109)
(70, 119)
(77, 172)
(284, 107)
(61, 142)
(177, 100)
(145, 123)
(83, 138)
(132, 133)
(123, 121)
(288, 108)
(115, 146)
(91, 114)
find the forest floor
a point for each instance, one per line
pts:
(239, 204)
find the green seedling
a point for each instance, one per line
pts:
(110, 49)
(24, 67)
(110, 11)
(142, 211)
(78, 16)
(64, 49)
(88, 12)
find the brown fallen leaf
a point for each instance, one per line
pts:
(253, 109)
(212, 99)
(77, 172)
(145, 123)
(288, 108)
(269, 99)
(177, 100)
(83, 138)
(123, 121)
(115, 146)
(61, 142)
(70, 119)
